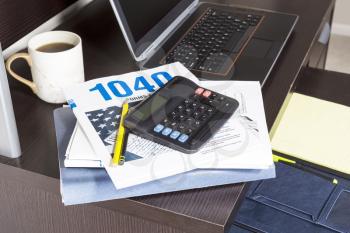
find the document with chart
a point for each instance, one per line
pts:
(242, 142)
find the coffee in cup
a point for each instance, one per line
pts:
(56, 61)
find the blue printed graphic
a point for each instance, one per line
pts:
(119, 88)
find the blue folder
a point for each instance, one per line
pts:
(297, 201)
(86, 185)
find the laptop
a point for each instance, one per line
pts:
(9, 141)
(216, 42)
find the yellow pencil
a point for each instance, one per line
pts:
(118, 149)
(278, 159)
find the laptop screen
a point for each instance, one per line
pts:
(142, 16)
(143, 21)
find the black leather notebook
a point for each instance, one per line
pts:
(298, 200)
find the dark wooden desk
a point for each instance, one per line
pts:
(30, 197)
(18, 18)
(326, 85)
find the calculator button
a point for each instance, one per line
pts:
(175, 134)
(182, 127)
(183, 138)
(182, 117)
(206, 94)
(166, 122)
(195, 97)
(203, 117)
(214, 103)
(194, 105)
(189, 111)
(210, 110)
(202, 108)
(175, 118)
(173, 114)
(199, 91)
(209, 102)
(213, 96)
(166, 131)
(180, 108)
(189, 131)
(196, 115)
(188, 102)
(173, 124)
(197, 123)
(190, 121)
(158, 128)
(221, 98)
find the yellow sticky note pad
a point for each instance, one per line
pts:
(316, 131)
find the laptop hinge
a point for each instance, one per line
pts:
(153, 47)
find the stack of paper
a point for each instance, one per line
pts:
(242, 143)
(316, 131)
(86, 185)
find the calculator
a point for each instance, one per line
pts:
(181, 115)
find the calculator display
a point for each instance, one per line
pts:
(145, 111)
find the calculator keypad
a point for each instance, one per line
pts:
(190, 115)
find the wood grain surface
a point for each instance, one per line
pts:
(105, 52)
(18, 17)
(327, 85)
(25, 209)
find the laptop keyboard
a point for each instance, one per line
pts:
(215, 41)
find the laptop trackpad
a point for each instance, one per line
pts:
(258, 48)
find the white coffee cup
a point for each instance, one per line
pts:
(52, 71)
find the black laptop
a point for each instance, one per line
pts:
(216, 42)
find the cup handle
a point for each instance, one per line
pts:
(26, 57)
